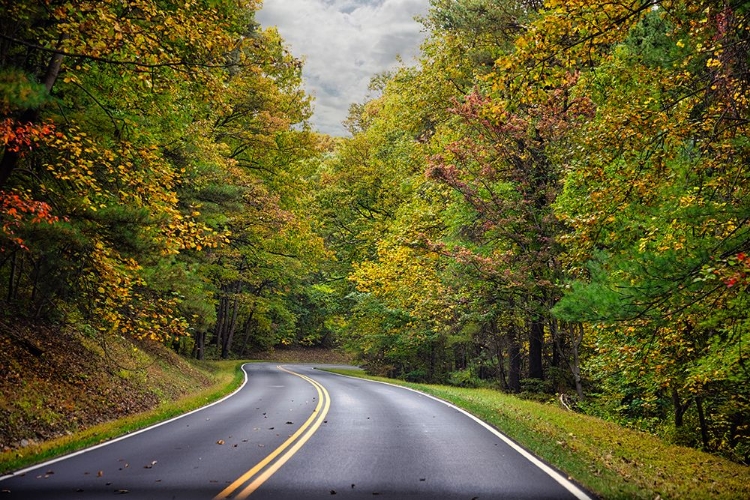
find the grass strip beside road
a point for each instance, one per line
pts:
(226, 375)
(608, 460)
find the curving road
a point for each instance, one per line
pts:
(294, 432)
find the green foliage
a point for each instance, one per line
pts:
(657, 233)
(19, 90)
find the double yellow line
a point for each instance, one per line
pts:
(269, 465)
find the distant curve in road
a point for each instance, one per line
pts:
(294, 432)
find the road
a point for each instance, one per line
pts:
(294, 432)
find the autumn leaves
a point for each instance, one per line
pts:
(165, 131)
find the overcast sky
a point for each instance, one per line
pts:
(344, 43)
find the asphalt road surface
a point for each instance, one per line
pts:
(294, 432)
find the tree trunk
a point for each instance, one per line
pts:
(226, 346)
(246, 333)
(200, 345)
(37, 278)
(575, 367)
(514, 366)
(558, 342)
(679, 408)
(220, 314)
(536, 346)
(703, 424)
(576, 339)
(431, 372)
(501, 370)
(11, 277)
(53, 68)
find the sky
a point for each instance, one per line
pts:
(343, 44)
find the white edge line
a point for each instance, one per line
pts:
(564, 482)
(124, 436)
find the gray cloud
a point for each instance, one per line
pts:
(344, 43)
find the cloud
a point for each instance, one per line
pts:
(344, 43)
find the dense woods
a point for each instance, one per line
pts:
(151, 174)
(553, 201)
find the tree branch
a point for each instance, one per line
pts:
(62, 53)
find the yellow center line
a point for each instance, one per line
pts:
(324, 402)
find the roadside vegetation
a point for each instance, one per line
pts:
(607, 459)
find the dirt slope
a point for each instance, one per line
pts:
(54, 381)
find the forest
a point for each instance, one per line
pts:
(554, 200)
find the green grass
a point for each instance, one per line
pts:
(226, 376)
(608, 460)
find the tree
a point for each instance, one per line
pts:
(658, 204)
